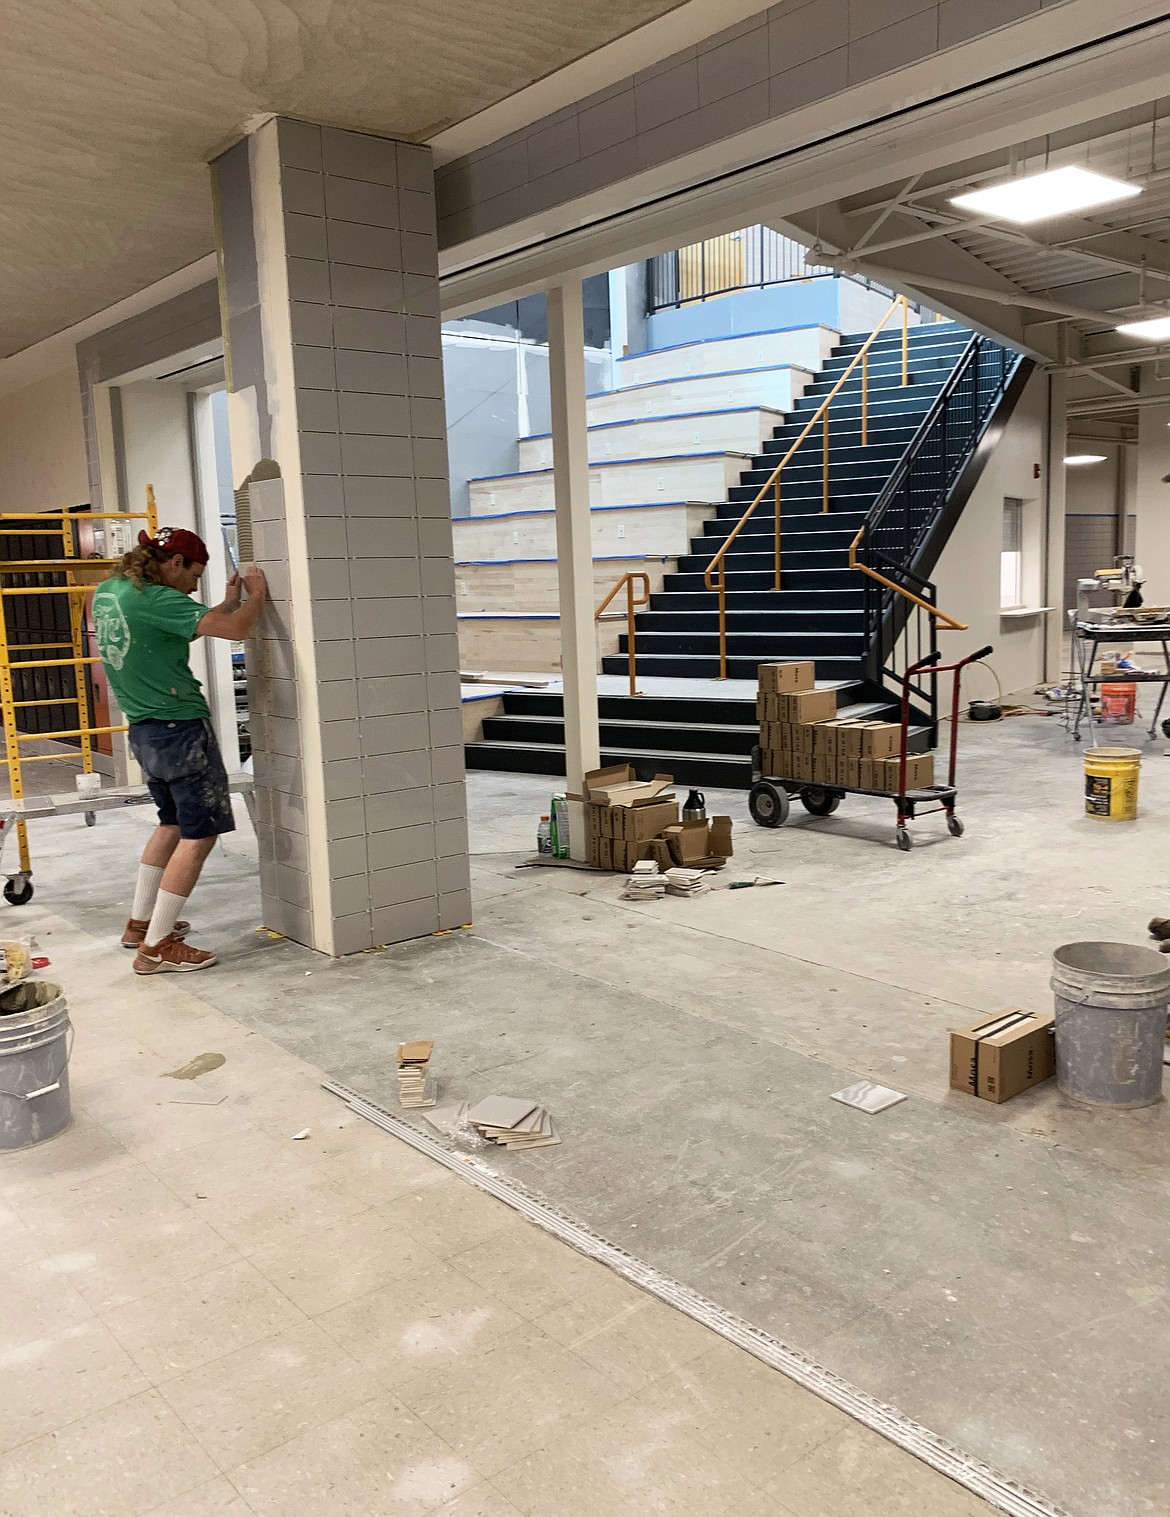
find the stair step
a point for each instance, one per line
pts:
(764, 647)
(706, 666)
(725, 772)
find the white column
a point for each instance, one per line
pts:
(1056, 626)
(1152, 507)
(566, 366)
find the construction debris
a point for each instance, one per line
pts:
(416, 1088)
(513, 1123)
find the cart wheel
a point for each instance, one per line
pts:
(1166, 727)
(818, 801)
(955, 826)
(18, 895)
(903, 840)
(768, 804)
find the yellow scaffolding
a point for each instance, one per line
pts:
(79, 576)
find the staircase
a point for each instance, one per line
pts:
(825, 611)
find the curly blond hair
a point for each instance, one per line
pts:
(141, 567)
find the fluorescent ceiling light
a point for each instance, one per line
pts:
(1038, 197)
(1152, 330)
(1085, 458)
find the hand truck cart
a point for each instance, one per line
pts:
(769, 800)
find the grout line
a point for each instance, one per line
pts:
(973, 1475)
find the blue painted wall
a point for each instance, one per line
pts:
(839, 303)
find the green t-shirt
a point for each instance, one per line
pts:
(144, 638)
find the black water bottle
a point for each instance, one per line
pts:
(695, 807)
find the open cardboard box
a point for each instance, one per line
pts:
(700, 845)
(619, 785)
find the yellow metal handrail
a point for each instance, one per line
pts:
(948, 621)
(773, 481)
(644, 600)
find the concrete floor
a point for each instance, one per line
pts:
(998, 1273)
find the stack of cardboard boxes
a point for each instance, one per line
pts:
(629, 820)
(802, 738)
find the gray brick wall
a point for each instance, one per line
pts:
(789, 56)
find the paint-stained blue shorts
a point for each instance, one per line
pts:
(185, 775)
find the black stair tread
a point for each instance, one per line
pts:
(633, 753)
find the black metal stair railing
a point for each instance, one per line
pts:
(901, 614)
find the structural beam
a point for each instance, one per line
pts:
(570, 439)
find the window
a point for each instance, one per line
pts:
(1011, 560)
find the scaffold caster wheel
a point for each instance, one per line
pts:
(903, 839)
(954, 826)
(91, 818)
(768, 804)
(819, 802)
(18, 894)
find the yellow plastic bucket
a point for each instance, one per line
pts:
(1111, 783)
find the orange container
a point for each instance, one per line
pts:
(1118, 705)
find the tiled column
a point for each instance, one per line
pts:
(329, 284)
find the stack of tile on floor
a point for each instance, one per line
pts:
(512, 1123)
(645, 884)
(686, 881)
(416, 1089)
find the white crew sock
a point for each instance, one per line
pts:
(146, 892)
(164, 916)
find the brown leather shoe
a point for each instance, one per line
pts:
(1160, 928)
(171, 956)
(135, 934)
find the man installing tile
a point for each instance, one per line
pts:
(146, 621)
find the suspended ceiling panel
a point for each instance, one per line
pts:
(110, 109)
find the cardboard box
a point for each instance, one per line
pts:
(638, 824)
(802, 767)
(620, 786)
(851, 773)
(767, 706)
(881, 740)
(997, 1057)
(693, 844)
(919, 772)
(787, 678)
(808, 706)
(824, 769)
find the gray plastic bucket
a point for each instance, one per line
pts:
(35, 1041)
(1111, 1001)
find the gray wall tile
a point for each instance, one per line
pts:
(348, 199)
(369, 289)
(455, 910)
(397, 924)
(393, 809)
(365, 454)
(403, 845)
(366, 246)
(733, 66)
(355, 155)
(395, 734)
(299, 144)
(407, 882)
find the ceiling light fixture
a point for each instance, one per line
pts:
(1152, 330)
(1039, 197)
(1074, 460)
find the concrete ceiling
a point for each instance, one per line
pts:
(1057, 289)
(110, 109)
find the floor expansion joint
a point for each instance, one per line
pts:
(970, 1473)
